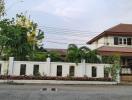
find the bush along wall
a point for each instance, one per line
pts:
(53, 78)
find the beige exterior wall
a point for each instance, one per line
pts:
(106, 41)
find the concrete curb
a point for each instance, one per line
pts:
(58, 82)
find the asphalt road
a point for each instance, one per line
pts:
(65, 92)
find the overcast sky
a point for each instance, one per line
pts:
(72, 21)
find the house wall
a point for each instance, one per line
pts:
(50, 68)
(100, 42)
(107, 41)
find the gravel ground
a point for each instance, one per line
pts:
(65, 92)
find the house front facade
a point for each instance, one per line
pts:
(116, 40)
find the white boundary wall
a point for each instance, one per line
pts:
(50, 68)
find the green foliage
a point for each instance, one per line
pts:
(91, 57)
(72, 53)
(38, 56)
(115, 67)
(55, 56)
(107, 71)
(75, 54)
(14, 39)
(108, 59)
(2, 8)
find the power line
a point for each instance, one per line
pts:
(56, 42)
(60, 28)
(62, 42)
(57, 29)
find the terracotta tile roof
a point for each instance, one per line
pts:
(126, 28)
(115, 49)
(121, 29)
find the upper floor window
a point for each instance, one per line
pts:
(115, 40)
(129, 41)
(122, 41)
(125, 41)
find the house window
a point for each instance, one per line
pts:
(0, 68)
(59, 70)
(120, 41)
(129, 41)
(125, 41)
(71, 71)
(36, 70)
(94, 71)
(115, 40)
(23, 69)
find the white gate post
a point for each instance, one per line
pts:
(11, 65)
(48, 66)
(83, 62)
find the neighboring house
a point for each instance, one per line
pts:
(116, 40)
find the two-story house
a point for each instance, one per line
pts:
(116, 40)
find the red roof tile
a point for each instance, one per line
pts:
(115, 49)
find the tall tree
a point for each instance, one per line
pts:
(35, 35)
(2, 8)
(14, 39)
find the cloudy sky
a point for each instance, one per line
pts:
(72, 21)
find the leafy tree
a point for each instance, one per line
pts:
(2, 8)
(39, 56)
(35, 35)
(91, 57)
(14, 39)
(108, 59)
(55, 56)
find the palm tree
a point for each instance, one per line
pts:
(83, 51)
(75, 54)
(72, 52)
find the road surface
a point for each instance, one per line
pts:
(65, 92)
